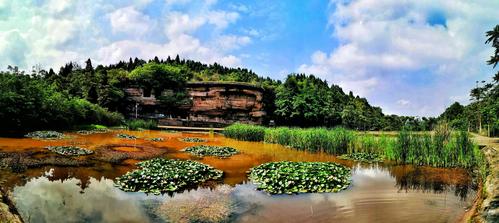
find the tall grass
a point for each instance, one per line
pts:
(245, 132)
(136, 124)
(442, 148)
(334, 141)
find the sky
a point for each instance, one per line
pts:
(407, 57)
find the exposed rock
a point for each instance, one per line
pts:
(212, 102)
(7, 211)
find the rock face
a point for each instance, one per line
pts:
(213, 104)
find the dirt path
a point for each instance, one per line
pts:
(490, 206)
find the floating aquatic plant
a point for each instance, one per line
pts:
(125, 136)
(45, 135)
(159, 139)
(94, 131)
(160, 175)
(218, 151)
(192, 139)
(363, 157)
(300, 177)
(70, 150)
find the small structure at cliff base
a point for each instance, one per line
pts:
(213, 104)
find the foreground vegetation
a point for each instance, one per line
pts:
(160, 175)
(442, 148)
(300, 177)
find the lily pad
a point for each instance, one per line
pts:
(218, 151)
(160, 175)
(363, 157)
(287, 177)
(70, 150)
(159, 139)
(193, 139)
(45, 135)
(125, 136)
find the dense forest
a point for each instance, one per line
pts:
(82, 95)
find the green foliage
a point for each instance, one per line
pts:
(442, 149)
(363, 157)
(218, 151)
(193, 139)
(334, 141)
(300, 177)
(70, 150)
(30, 103)
(45, 135)
(136, 124)
(482, 115)
(160, 175)
(245, 132)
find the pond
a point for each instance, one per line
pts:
(85, 193)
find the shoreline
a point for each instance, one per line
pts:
(487, 208)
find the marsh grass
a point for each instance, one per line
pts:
(137, 124)
(442, 148)
(245, 132)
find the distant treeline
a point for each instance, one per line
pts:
(31, 100)
(302, 100)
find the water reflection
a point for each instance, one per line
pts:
(378, 193)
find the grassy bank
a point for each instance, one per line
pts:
(442, 148)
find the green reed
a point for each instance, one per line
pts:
(442, 148)
(245, 132)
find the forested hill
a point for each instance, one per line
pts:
(301, 100)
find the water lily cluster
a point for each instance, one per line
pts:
(363, 157)
(160, 175)
(126, 136)
(192, 139)
(70, 150)
(218, 151)
(45, 135)
(94, 131)
(158, 139)
(287, 177)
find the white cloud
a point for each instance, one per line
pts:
(403, 102)
(51, 33)
(391, 47)
(129, 20)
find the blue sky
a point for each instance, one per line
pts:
(408, 57)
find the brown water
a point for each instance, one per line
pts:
(378, 193)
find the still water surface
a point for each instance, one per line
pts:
(378, 193)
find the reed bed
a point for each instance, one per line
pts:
(441, 148)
